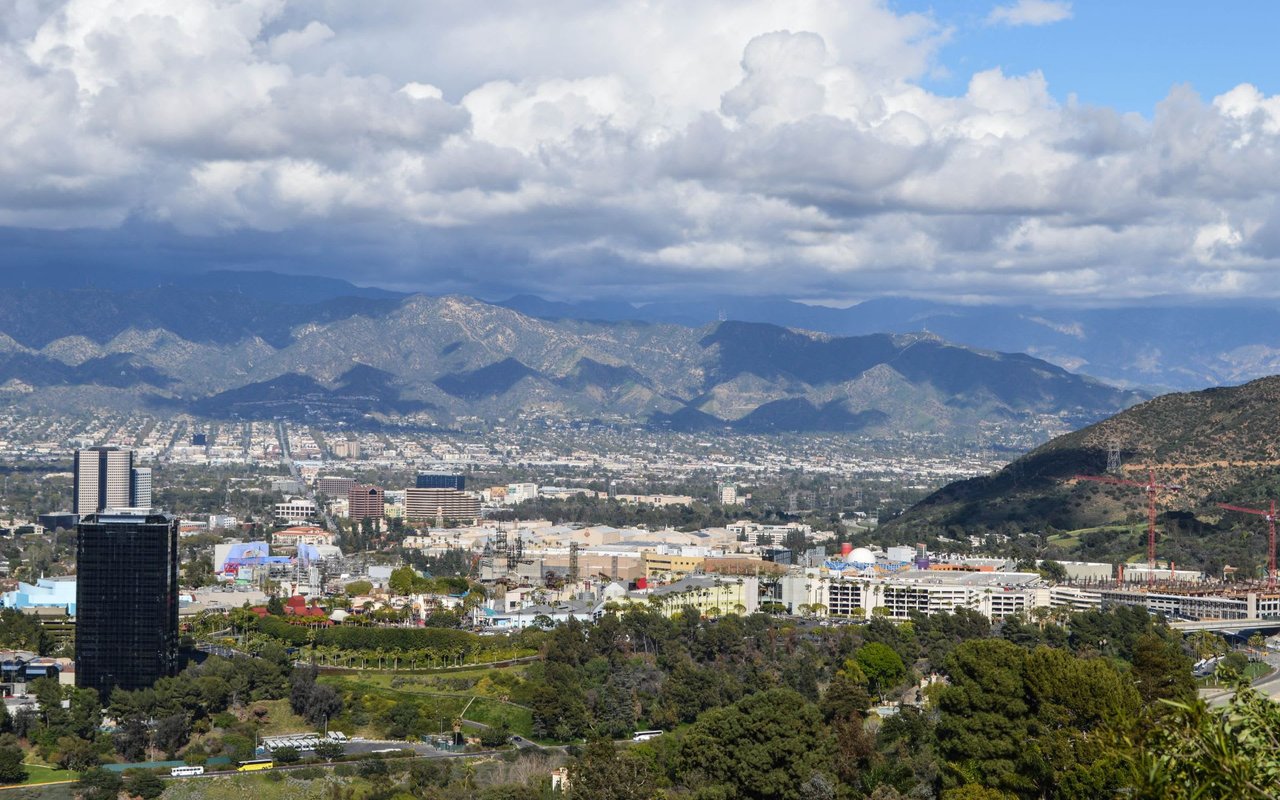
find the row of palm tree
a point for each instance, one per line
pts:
(381, 659)
(710, 601)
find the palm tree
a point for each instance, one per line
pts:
(1041, 614)
(1205, 643)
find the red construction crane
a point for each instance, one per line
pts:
(1270, 517)
(1152, 489)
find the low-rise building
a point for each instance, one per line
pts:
(56, 593)
(295, 509)
(823, 592)
(711, 595)
(302, 534)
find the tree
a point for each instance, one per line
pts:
(11, 768)
(133, 738)
(983, 726)
(1053, 572)
(77, 754)
(99, 784)
(1198, 752)
(24, 722)
(172, 733)
(1207, 644)
(1161, 671)
(882, 666)
(85, 714)
(605, 773)
(357, 588)
(198, 571)
(403, 581)
(495, 736)
(329, 750)
(1028, 723)
(286, 755)
(766, 745)
(846, 696)
(143, 783)
(314, 701)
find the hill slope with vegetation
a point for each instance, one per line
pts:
(1219, 445)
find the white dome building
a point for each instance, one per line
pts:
(861, 558)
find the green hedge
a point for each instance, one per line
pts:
(277, 628)
(438, 639)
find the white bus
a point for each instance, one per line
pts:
(185, 772)
(644, 736)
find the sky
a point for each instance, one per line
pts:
(1076, 153)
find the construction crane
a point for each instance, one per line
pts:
(1152, 489)
(1270, 517)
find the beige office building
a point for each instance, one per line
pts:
(427, 504)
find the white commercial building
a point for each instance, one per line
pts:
(295, 509)
(824, 592)
(520, 492)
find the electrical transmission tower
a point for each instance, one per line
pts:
(1113, 456)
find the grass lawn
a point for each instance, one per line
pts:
(428, 678)
(37, 774)
(281, 718)
(446, 706)
(1070, 539)
(494, 712)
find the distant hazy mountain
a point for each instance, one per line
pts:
(260, 285)
(220, 352)
(1155, 347)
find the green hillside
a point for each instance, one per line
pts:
(1220, 445)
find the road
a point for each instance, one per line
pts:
(287, 457)
(1268, 685)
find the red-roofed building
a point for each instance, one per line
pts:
(302, 534)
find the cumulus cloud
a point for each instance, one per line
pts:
(574, 148)
(1030, 12)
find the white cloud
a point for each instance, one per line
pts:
(1030, 12)
(638, 147)
(292, 42)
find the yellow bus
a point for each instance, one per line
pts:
(256, 764)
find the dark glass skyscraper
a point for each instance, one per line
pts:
(441, 480)
(126, 600)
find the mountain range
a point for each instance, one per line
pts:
(1157, 348)
(235, 348)
(1151, 347)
